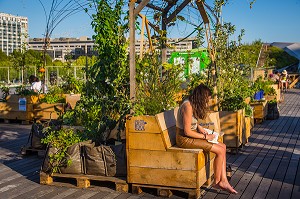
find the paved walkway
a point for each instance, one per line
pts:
(267, 167)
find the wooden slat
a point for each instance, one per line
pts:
(171, 160)
(148, 141)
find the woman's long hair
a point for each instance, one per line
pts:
(199, 101)
(33, 78)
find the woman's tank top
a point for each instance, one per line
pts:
(179, 122)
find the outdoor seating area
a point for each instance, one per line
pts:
(164, 100)
(267, 166)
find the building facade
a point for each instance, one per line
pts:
(173, 45)
(13, 32)
(60, 48)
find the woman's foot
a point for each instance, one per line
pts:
(225, 187)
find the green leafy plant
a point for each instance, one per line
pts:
(72, 118)
(232, 103)
(248, 110)
(72, 85)
(272, 102)
(61, 140)
(53, 96)
(5, 92)
(157, 85)
(105, 99)
(23, 91)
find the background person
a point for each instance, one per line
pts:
(191, 135)
(36, 84)
(284, 79)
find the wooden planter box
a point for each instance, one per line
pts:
(260, 110)
(270, 97)
(32, 99)
(278, 92)
(232, 124)
(247, 100)
(258, 73)
(10, 109)
(154, 160)
(44, 111)
(249, 121)
(72, 99)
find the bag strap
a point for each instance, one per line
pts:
(104, 160)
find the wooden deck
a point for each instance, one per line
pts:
(267, 167)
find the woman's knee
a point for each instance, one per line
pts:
(218, 150)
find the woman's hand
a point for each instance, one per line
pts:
(210, 136)
(204, 132)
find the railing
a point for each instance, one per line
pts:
(262, 56)
(53, 74)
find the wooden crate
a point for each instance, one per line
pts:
(153, 159)
(72, 99)
(9, 110)
(32, 99)
(232, 124)
(260, 110)
(45, 111)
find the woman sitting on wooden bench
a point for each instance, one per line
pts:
(191, 135)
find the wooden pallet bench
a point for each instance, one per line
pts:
(82, 181)
(154, 160)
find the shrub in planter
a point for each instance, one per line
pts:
(273, 110)
(53, 96)
(157, 85)
(5, 93)
(60, 142)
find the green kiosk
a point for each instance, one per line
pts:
(193, 61)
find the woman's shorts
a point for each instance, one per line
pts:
(183, 141)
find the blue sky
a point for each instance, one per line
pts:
(268, 20)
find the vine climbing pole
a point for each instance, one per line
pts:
(210, 48)
(166, 18)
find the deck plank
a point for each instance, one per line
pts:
(276, 142)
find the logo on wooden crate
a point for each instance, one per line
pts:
(139, 125)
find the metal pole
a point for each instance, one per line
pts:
(8, 81)
(86, 63)
(132, 48)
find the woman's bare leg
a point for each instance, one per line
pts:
(220, 168)
(224, 173)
